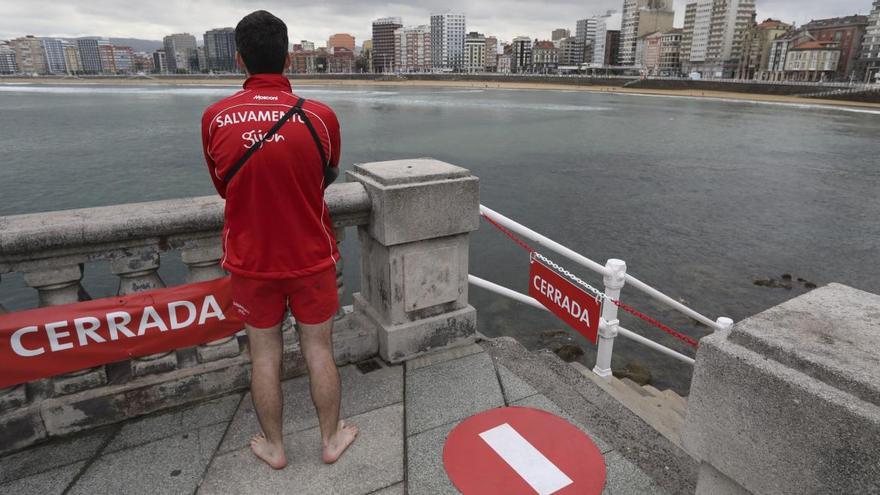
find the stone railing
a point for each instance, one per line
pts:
(413, 216)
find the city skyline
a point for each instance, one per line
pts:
(149, 20)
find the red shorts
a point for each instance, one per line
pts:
(262, 303)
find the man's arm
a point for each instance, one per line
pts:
(219, 185)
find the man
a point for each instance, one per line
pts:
(277, 239)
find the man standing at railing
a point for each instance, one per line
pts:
(271, 155)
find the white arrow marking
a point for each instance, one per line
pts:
(528, 462)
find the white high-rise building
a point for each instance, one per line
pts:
(448, 32)
(609, 22)
(870, 55)
(713, 34)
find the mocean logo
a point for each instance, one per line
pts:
(266, 98)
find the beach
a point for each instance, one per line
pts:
(503, 85)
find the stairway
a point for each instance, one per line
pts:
(664, 411)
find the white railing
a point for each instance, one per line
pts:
(614, 277)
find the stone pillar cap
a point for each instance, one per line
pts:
(400, 172)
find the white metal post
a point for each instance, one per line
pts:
(724, 323)
(614, 279)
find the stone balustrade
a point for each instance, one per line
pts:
(413, 216)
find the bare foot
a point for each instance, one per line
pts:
(340, 441)
(268, 453)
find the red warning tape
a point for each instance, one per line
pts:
(629, 309)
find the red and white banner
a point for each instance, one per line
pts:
(566, 300)
(50, 341)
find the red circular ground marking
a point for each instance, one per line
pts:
(545, 454)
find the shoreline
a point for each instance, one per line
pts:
(532, 86)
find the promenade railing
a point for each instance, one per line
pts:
(615, 277)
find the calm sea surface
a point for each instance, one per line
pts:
(699, 197)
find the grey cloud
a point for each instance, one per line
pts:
(153, 19)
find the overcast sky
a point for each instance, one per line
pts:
(315, 21)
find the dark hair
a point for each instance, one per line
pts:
(261, 40)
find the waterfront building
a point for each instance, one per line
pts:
(72, 60)
(504, 64)
(412, 47)
(651, 45)
(89, 56)
(545, 57)
(607, 40)
(560, 34)
(813, 61)
(383, 43)
(29, 55)
(308, 46)
(143, 62)
(7, 59)
(160, 61)
(201, 60)
(869, 56)
(447, 41)
(713, 36)
(670, 53)
(491, 54)
(757, 43)
(521, 55)
(585, 33)
(220, 50)
(475, 52)
(571, 52)
(341, 40)
(642, 17)
(302, 60)
(340, 60)
(53, 51)
(847, 32)
(116, 59)
(181, 52)
(367, 56)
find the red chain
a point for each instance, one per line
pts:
(510, 234)
(629, 309)
(680, 336)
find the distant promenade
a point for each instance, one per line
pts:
(725, 90)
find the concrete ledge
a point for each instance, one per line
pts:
(785, 402)
(51, 234)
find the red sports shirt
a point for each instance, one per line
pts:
(277, 223)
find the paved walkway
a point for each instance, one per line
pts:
(404, 414)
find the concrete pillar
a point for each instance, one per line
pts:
(140, 273)
(788, 401)
(203, 263)
(340, 281)
(56, 287)
(414, 255)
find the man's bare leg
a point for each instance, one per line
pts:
(317, 347)
(266, 350)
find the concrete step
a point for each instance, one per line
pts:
(677, 402)
(663, 411)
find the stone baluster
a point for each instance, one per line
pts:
(204, 265)
(59, 286)
(139, 272)
(340, 266)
